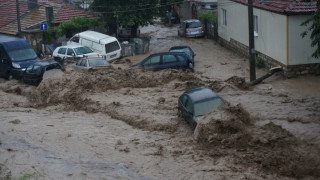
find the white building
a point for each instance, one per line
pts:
(277, 27)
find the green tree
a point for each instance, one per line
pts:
(314, 29)
(206, 17)
(133, 13)
(76, 25)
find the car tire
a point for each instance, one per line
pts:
(8, 76)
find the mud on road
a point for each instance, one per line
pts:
(116, 124)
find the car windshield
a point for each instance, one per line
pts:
(113, 46)
(193, 24)
(98, 62)
(185, 50)
(22, 54)
(204, 107)
(82, 50)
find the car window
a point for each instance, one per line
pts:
(155, 60)
(183, 99)
(83, 62)
(75, 39)
(180, 58)
(62, 51)
(36, 69)
(113, 46)
(98, 62)
(82, 50)
(70, 52)
(79, 62)
(29, 69)
(188, 104)
(193, 24)
(168, 59)
(204, 107)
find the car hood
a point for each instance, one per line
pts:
(25, 64)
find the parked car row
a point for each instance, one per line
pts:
(18, 59)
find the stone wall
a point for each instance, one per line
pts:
(268, 62)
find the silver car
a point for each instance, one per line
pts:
(91, 63)
(191, 28)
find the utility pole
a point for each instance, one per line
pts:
(18, 17)
(251, 42)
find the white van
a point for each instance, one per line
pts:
(103, 44)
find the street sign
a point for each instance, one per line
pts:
(43, 26)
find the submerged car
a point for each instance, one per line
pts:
(68, 51)
(165, 60)
(191, 28)
(196, 102)
(92, 63)
(184, 49)
(34, 73)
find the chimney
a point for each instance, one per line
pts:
(32, 4)
(49, 15)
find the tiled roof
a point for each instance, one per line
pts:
(67, 13)
(29, 19)
(8, 11)
(289, 7)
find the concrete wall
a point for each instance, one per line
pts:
(300, 50)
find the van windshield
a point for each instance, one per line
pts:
(113, 46)
(22, 54)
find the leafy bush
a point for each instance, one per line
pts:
(259, 62)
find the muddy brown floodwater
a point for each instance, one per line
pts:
(116, 124)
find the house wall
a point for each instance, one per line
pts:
(298, 53)
(271, 40)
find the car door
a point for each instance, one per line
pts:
(32, 74)
(152, 62)
(186, 108)
(169, 61)
(70, 53)
(4, 62)
(61, 53)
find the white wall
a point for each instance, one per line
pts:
(272, 33)
(300, 50)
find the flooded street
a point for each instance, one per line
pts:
(116, 124)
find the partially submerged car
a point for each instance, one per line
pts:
(184, 49)
(196, 102)
(69, 51)
(34, 73)
(91, 63)
(191, 28)
(165, 60)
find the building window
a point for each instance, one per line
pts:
(224, 17)
(255, 25)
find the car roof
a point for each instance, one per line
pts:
(192, 20)
(200, 93)
(45, 63)
(71, 46)
(179, 47)
(173, 53)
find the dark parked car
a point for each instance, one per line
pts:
(191, 28)
(197, 102)
(34, 73)
(184, 49)
(176, 60)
